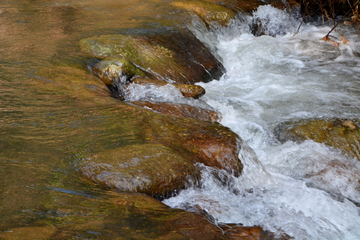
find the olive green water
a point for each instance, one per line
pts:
(53, 113)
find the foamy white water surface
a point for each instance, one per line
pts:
(270, 80)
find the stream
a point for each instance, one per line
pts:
(45, 130)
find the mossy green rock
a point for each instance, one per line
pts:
(239, 6)
(208, 12)
(338, 133)
(147, 168)
(114, 71)
(174, 57)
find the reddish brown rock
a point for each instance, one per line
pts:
(189, 90)
(181, 110)
(341, 134)
(239, 232)
(205, 142)
(161, 157)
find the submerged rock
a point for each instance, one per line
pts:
(144, 217)
(117, 216)
(181, 110)
(147, 168)
(174, 57)
(162, 160)
(338, 133)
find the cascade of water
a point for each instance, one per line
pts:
(270, 80)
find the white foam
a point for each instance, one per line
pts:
(303, 190)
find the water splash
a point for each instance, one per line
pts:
(305, 190)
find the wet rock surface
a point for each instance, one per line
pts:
(238, 6)
(205, 142)
(239, 232)
(126, 216)
(181, 110)
(338, 133)
(150, 219)
(147, 168)
(187, 90)
(164, 161)
(175, 57)
(210, 13)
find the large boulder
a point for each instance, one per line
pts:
(338, 133)
(204, 142)
(147, 168)
(175, 57)
(162, 160)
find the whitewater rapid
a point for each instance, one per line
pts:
(270, 80)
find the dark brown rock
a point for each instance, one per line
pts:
(341, 134)
(181, 110)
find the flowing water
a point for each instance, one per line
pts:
(270, 80)
(53, 114)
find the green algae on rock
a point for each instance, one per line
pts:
(175, 57)
(181, 110)
(338, 133)
(114, 71)
(239, 6)
(208, 12)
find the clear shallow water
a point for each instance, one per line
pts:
(270, 80)
(48, 123)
